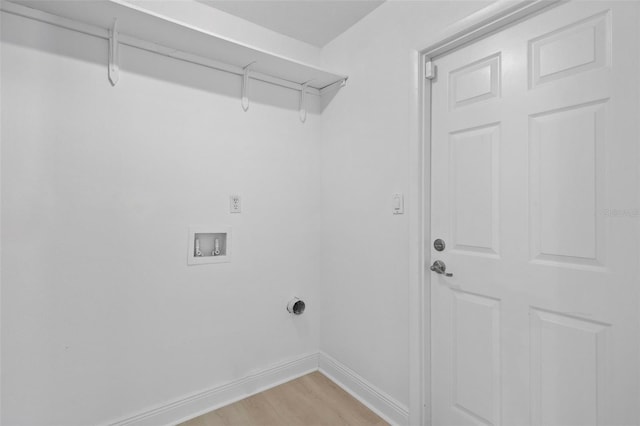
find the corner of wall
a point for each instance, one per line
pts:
(384, 405)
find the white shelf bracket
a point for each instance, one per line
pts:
(114, 67)
(302, 108)
(333, 87)
(245, 87)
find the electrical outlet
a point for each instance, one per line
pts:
(234, 204)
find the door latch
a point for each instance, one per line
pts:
(439, 267)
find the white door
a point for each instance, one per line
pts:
(535, 194)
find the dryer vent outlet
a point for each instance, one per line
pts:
(296, 306)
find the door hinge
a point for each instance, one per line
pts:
(430, 70)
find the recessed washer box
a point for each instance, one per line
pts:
(209, 244)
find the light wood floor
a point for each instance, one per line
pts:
(310, 400)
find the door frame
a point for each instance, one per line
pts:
(486, 21)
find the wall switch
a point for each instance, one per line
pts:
(234, 204)
(398, 203)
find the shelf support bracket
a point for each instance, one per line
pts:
(245, 83)
(114, 67)
(302, 108)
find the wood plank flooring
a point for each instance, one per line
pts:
(307, 401)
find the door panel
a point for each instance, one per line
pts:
(474, 189)
(578, 47)
(535, 191)
(567, 355)
(476, 365)
(475, 82)
(564, 228)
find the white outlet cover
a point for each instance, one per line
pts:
(235, 204)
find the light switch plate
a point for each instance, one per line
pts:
(398, 203)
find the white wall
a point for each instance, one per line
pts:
(101, 316)
(367, 132)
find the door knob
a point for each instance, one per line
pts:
(439, 267)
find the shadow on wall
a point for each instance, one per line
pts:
(86, 48)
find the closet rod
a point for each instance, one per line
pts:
(103, 33)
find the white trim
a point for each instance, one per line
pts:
(1, 215)
(638, 232)
(189, 407)
(417, 207)
(200, 403)
(486, 21)
(390, 409)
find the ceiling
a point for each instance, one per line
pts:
(316, 22)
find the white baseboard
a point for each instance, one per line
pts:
(377, 401)
(219, 396)
(197, 404)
